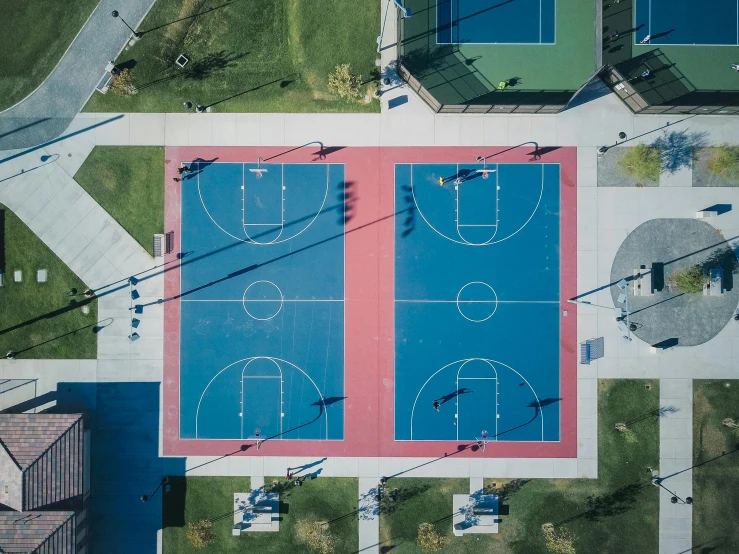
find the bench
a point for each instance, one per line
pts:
(104, 85)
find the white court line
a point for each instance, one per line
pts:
(200, 401)
(457, 399)
(491, 362)
(279, 410)
(249, 241)
(264, 300)
(469, 301)
(491, 241)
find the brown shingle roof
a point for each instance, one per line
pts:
(26, 532)
(27, 436)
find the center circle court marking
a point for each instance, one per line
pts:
(481, 293)
(269, 291)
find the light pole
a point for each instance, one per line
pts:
(604, 149)
(146, 497)
(118, 16)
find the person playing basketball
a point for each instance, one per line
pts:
(436, 405)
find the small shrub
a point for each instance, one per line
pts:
(199, 533)
(641, 162)
(430, 539)
(724, 162)
(345, 83)
(123, 83)
(315, 536)
(689, 280)
(558, 541)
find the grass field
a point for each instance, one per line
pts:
(246, 56)
(39, 320)
(715, 453)
(596, 512)
(332, 500)
(128, 182)
(36, 33)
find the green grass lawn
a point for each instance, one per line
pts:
(39, 320)
(36, 33)
(596, 512)
(715, 506)
(248, 55)
(128, 182)
(332, 500)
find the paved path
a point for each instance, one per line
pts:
(45, 113)
(369, 516)
(675, 461)
(40, 191)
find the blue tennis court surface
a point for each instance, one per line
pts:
(680, 22)
(262, 305)
(477, 302)
(495, 22)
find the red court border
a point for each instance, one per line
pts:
(369, 303)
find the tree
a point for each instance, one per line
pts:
(641, 162)
(430, 539)
(123, 83)
(316, 535)
(689, 280)
(558, 541)
(724, 162)
(344, 83)
(199, 533)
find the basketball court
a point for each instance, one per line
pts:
(470, 309)
(320, 302)
(263, 310)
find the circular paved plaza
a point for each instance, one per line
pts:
(668, 317)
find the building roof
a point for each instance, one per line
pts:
(30, 532)
(27, 436)
(41, 458)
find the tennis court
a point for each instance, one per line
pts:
(495, 22)
(477, 302)
(681, 22)
(261, 302)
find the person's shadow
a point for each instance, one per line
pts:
(452, 395)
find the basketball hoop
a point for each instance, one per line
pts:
(259, 170)
(483, 440)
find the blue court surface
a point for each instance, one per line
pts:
(495, 22)
(262, 302)
(681, 22)
(477, 316)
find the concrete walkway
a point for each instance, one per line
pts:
(45, 113)
(39, 190)
(369, 516)
(675, 461)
